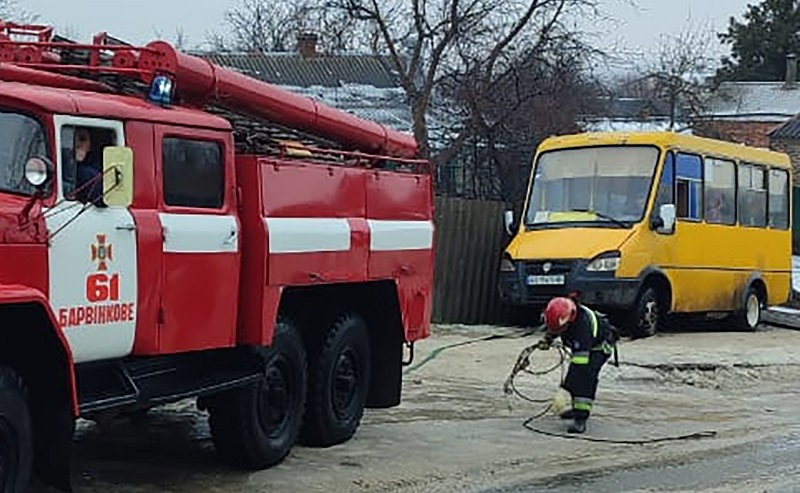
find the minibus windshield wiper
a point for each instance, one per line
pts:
(602, 216)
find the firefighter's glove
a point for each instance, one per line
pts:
(543, 345)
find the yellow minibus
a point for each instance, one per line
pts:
(644, 226)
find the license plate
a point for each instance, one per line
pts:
(545, 280)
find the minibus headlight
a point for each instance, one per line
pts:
(604, 263)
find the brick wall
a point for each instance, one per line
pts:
(792, 148)
(749, 133)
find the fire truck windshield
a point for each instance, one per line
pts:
(23, 137)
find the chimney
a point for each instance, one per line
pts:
(307, 45)
(791, 71)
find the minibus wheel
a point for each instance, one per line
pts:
(749, 316)
(648, 314)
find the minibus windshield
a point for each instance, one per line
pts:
(604, 186)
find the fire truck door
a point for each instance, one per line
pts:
(200, 262)
(92, 253)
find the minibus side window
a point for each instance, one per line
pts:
(778, 199)
(752, 196)
(689, 187)
(720, 192)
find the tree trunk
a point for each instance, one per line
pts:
(419, 109)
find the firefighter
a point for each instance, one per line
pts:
(592, 340)
(89, 169)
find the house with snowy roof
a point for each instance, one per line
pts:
(362, 84)
(628, 114)
(749, 112)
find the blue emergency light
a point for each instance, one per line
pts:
(162, 90)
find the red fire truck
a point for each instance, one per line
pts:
(172, 229)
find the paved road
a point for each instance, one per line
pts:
(766, 467)
(456, 432)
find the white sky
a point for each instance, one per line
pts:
(636, 28)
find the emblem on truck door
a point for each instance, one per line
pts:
(101, 252)
(103, 293)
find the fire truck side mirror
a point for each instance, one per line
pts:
(118, 176)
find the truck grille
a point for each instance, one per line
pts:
(555, 267)
(542, 294)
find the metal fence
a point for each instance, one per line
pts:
(470, 242)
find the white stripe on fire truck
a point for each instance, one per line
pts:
(199, 233)
(308, 234)
(400, 235)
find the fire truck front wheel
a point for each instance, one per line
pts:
(339, 383)
(16, 436)
(255, 427)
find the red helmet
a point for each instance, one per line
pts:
(559, 312)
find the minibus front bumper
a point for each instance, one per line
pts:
(534, 283)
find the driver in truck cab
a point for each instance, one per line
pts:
(89, 169)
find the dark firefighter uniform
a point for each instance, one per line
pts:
(591, 338)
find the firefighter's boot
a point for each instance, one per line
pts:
(578, 426)
(568, 414)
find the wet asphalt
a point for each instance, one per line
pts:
(764, 467)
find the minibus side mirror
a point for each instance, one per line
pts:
(664, 221)
(509, 222)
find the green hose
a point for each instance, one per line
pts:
(436, 352)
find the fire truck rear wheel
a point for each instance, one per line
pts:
(339, 383)
(16, 435)
(255, 427)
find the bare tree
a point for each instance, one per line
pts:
(179, 40)
(428, 42)
(273, 26)
(537, 94)
(679, 71)
(258, 26)
(11, 10)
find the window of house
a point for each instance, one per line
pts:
(752, 196)
(194, 173)
(778, 199)
(689, 186)
(720, 191)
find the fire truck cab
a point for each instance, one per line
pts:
(168, 243)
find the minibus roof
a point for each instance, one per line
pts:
(670, 140)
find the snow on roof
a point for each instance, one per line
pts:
(615, 125)
(754, 101)
(385, 105)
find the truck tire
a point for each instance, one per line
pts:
(16, 435)
(256, 426)
(339, 383)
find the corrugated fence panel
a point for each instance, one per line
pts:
(469, 244)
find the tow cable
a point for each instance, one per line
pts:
(438, 351)
(523, 366)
